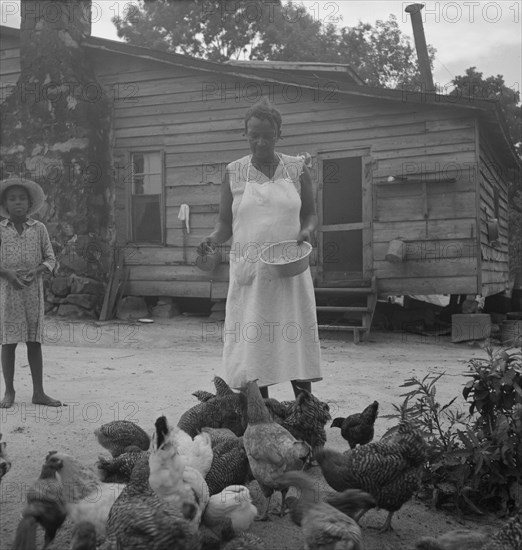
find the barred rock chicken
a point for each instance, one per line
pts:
(171, 477)
(45, 505)
(226, 410)
(323, 526)
(119, 469)
(509, 536)
(5, 463)
(234, 503)
(388, 470)
(229, 465)
(306, 419)
(357, 428)
(116, 436)
(245, 541)
(271, 449)
(140, 519)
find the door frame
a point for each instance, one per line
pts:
(366, 214)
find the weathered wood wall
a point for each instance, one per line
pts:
(196, 119)
(494, 259)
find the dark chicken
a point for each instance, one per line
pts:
(388, 470)
(5, 463)
(357, 428)
(45, 506)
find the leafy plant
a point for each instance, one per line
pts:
(475, 458)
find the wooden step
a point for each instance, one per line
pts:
(343, 309)
(345, 328)
(342, 291)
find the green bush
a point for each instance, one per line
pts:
(475, 457)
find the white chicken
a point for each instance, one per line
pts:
(234, 503)
(86, 497)
(171, 477)
(197, 452)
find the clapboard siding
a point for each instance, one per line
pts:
(494, 258)
(9, 71)
(196, 119)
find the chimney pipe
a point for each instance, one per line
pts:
(420, 45)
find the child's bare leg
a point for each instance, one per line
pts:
(299, 385)
(34, 356)
(8, 368)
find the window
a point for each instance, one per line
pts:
(146, 197)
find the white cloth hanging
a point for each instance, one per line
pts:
(184, 215)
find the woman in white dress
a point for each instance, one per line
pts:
(270, 331)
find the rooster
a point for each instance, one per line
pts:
(388, 470)
(271, 449)
(323, 526)
(45, 505)
(357, 428)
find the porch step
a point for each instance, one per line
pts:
(344, 295)
(343, 309)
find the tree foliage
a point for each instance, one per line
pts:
(271, 30)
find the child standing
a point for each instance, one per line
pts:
(25, 253)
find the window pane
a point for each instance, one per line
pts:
(146, 218)
(137, 163)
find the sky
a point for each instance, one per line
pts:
(465, 33)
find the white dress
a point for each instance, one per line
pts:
(270, 331)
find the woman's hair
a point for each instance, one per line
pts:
(264, 110)
(3, 197)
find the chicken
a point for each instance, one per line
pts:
(117, 435)
(235, 503)
(271, 449)
(119, 469)
(227, 409)
(509, 537)
(45, 505)
(86, 498)
(84, 536)
(197, 452)
(170, 476)
(230, 462)
(357, 428)
(5, 463)
(306, 419)
(245, 541)
(323, 526)
(350, 502)
(388, 470)
(140, 519)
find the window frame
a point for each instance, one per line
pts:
(130, 194)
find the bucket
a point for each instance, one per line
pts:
(287, 258)
(511, 333)
(396, 251)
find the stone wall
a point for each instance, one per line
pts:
(56, 131)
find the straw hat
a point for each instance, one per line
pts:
(33, 189)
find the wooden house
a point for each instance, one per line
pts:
(411, 187)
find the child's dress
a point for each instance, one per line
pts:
(22, 311)
(270, 331)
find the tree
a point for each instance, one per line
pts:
(212, 30)
(270, 30)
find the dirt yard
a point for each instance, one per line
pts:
(110, 371)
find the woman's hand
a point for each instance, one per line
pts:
(27, 276)
(207, 245)
(13, 278)
(304, 235)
